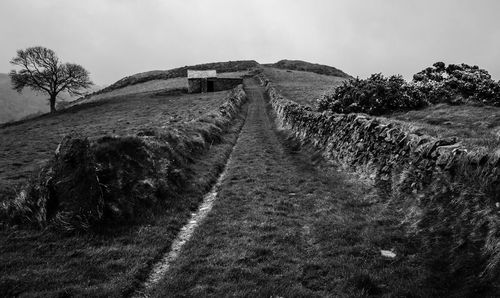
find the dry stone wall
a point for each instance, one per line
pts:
(451, 196)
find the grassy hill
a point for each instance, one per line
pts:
(304, 87)
(301, 80)
(171, 86)
(310, 67)
(221, 67)
(28, 144)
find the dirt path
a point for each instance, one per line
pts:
(281, 227)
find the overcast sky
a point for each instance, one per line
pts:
(116, 38)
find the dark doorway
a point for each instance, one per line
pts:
(210, 86)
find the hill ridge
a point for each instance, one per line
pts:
(310, 67)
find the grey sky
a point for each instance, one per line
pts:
(113, 38)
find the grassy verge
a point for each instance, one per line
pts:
(113, 261)
(476, 127)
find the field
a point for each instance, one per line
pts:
(301, 86)
(113, 260)
(476, 127)
(26, 145)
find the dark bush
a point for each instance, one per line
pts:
(376, 95)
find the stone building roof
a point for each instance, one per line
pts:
(201, 74)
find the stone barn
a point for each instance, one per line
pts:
(201, 81)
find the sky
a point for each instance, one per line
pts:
(116, 38)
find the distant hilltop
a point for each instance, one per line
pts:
(221, 67)
(310, 67)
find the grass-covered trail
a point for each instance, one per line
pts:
(283, 227)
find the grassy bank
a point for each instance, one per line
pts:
(27, 145)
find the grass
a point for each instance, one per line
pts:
(230, 66)
(282, 227)
(26, 145)
(156, 85)
(301, 86)
(310, 67)
(476, 127)
(111, 262)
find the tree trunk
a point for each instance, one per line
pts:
(52, 104)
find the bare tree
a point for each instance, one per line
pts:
(42, 72)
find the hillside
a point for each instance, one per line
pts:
(16, 106)
(303, 87)
(28, 144)
(221, 67)
(171, 86)
(310, 67)
(301, 81)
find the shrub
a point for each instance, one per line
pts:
(457, 84)
(376, 95)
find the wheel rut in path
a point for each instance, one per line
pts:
(274, 228)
